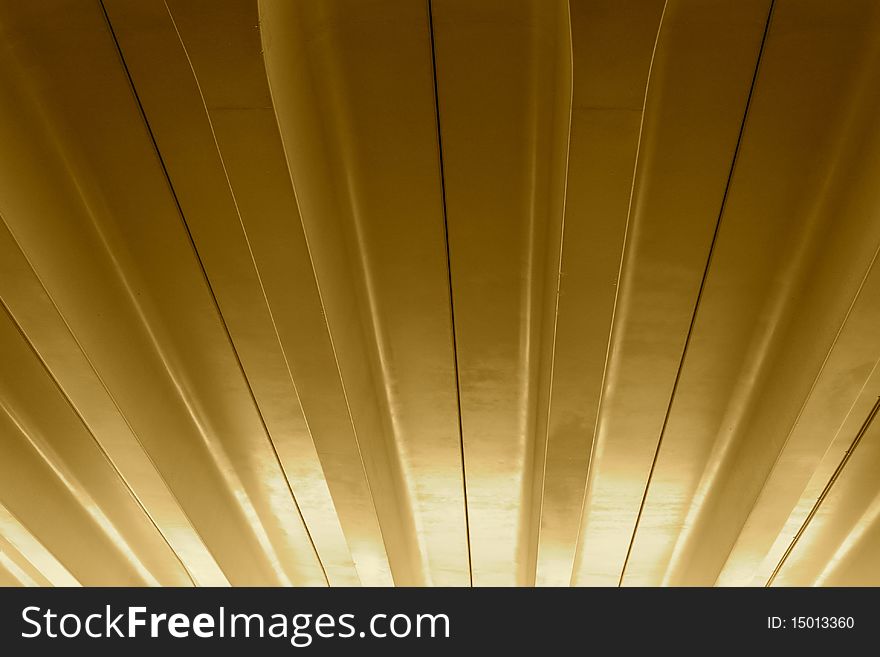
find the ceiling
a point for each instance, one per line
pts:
(445, 292)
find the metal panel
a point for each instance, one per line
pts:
(405, 292)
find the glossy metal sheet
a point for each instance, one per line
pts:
(405, 292)
(612, 45)
(689, 134)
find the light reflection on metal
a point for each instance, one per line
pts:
(436, 293)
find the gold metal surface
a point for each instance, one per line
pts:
(439, 293)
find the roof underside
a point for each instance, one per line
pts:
(528, 292)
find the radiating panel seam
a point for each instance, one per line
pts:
(247, 242)
(207, 281)
(94, 438)
(78, 491)
(626, 232)
(700, 291)
(537, 543)
(831, 481)
(818, 376)
(329, 331)
(449, 284)
(109, 394)
(8, 564)
(33, 536)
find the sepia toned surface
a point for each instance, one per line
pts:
(448, 293)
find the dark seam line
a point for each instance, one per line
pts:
(85, 425)
(700, 291)
(208, 283)
(834, 476)
(93, 369)
(449, 282)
